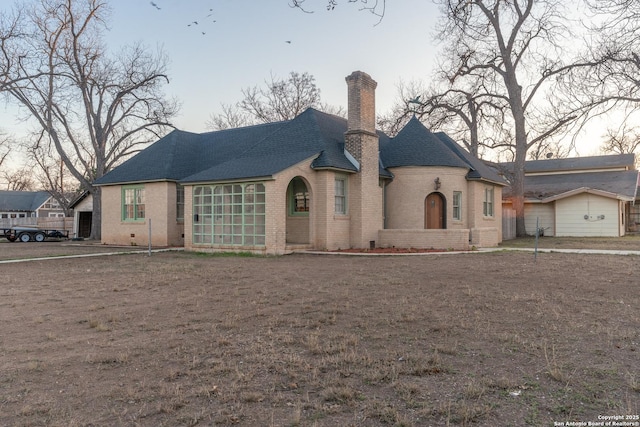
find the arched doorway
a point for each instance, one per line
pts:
(298, 207)
(435, 212)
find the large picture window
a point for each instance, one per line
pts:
(230, 214)
(487, 205)
(133, 208)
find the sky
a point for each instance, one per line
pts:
(245, 42)
(238, 44)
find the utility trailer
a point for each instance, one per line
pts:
(33, 234)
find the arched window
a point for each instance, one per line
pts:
(298, 197)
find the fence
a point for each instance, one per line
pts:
(508, 224)
(45, 223)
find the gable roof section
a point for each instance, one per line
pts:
(242, 153)
(22, 201)
(546, 188)
(310, 134)
(180, 154)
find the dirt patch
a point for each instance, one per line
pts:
(187, 339)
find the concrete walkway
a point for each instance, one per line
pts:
(140, 252)
(567, 251)
(478, 251)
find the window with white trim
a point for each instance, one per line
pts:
(179, 203)
(487, 204)
(457, 205)
(340, 195)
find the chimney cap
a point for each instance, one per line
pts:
(362, 77)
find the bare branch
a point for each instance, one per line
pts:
(93, 109)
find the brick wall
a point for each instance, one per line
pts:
(160, 207)
(406, 194)
(424, 239)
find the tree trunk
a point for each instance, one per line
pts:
(96, 217)
(517, 186)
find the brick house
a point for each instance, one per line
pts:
(317, 181)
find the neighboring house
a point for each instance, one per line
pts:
(82, 207)
(15, 205)
(317, 182)
(582, 196)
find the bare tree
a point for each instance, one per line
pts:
(230, 118)
(278, 100)
(95, 109)
(375, 7)
(621, 141)
(468, 115)
(19, 180)
(616, 77)
(513, 50)
(53, 176)
(5, 148)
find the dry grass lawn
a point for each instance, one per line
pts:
(302, 340)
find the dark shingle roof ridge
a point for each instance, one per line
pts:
(616, 182)
(581, 162)
(282, 124)
(449, 142)
(479, 170)
(273, 152)
(415, 145)
(247, 127)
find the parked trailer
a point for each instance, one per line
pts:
(33, 234)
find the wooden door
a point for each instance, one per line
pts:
(434, 211)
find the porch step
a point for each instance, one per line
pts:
(292, 247)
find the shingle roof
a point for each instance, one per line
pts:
(478, 169)
(263, 150)
(312, 133)
(578, 163)
(22, 201)
(415, 145)
(621, 183)
(180, 154)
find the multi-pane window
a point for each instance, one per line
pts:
(341, 195)
(133, 204)
(230, 214)
(457, 205)
(51, 204)
(298, 197)
(487, 205)
(179, 202)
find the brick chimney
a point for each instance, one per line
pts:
(361, 141)
(361, 111)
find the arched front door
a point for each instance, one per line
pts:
(434, 211)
